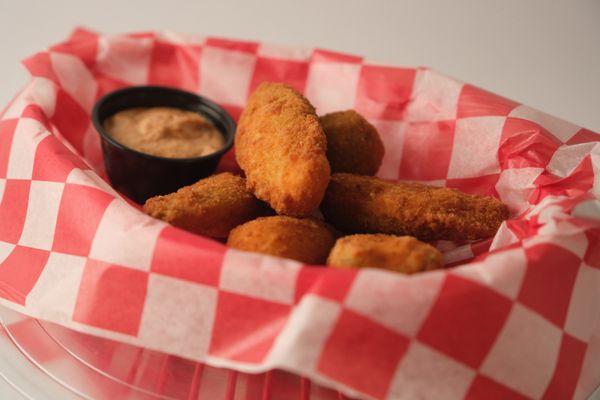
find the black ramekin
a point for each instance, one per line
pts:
(140, 176)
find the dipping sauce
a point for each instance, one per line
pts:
(165, 132)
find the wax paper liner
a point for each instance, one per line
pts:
(516, 317)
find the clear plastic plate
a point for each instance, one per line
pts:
(44, 360)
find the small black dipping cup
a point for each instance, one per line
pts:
(140, 176)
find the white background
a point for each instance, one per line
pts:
(544, 53)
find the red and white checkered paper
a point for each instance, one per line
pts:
(517, 317)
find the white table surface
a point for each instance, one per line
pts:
(544, 53)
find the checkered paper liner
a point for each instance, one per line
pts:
(517, 317)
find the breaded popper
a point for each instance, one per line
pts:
(403, 254)
(356, 203)
(304, 240)
(281, 147)
(353, 144)
(211, 207)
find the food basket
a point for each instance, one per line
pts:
(515, 316)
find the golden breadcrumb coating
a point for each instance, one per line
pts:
(403, 254)
(356, 203)
(281, 147)
(211, 207)
(304, 240)
(353, 144)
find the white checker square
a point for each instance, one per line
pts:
(124, 58)
(502, 271)
(548, 207)
(403, 314)
(180, 38)
(588, 210)
(595, 156)
(549, 214)
(2, 188)
(225, 75)
(566, 158)
(92, 150)
(126, 236)
(75, 78)
(308, 327)
(424, 373)
(55, 292)
(434, 97)
(5, 250)
(28, 134)
(584, 309)
(42, 212)
(561, 234)
(525, 353)
(331, 86)
(475, 151)
(180, 313)
(460, 253)
(504, 237)
(590, 370)
(259, 275)
(392, 136)
(87, 177)
(515, 185)
(563, 130)
(40, 91)
(287, 53)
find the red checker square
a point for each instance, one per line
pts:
(82, 44)
(174, 65)
(465, 320)
(20, 271)
(13, 209)
(549, 281)
(245, 327)
(333, 56)
(383, 92)
(234, 110)
(525, 144)
(228, 163)
(107, 84)
(577, 183)
(80, 33)
(35, 111)
(70, 119)
(484, 388)
(40, 65)
(294, 73)
(357, 344)
(111, 297)
(7, 131)
(238, 45)
(482, 185)
(592, 253)
(80, 212)
(142, 35)
(476, 102)
(53, 161)
(584, 136)
(183, 255)
(427, 150)
(568, 368)
(329, 283)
